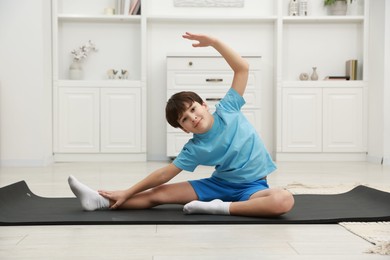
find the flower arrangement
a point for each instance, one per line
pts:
(82, 52)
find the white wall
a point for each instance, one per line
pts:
(379, 84)
(25, 83)
(386, 86)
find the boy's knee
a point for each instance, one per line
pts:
(284, 202)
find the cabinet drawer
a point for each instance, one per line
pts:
(252, 98)
(199, 80)
(207, 63)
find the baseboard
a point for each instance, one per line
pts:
(27, 163)
(386, 161)
(136, 157)
(378, 160)
(374, 159)
(321, 157)
(158, 158)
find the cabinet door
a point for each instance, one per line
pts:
(343, 120)
(78, 120)
(120, 120)
(302, 120)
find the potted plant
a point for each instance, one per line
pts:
(336, 7)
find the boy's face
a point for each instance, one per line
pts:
(196, 119)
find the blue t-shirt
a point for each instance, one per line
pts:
(232, 145)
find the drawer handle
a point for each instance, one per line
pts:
(213, 99)
(214, 80)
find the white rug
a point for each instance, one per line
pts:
(377, 233)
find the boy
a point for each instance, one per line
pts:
(225, 140)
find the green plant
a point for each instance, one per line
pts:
(330, 2)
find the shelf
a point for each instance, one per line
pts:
(99, 18)
(100, 83)
(207, 19)
(323, 19)
(325, 83)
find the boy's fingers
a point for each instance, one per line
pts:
(105, 194)
(115, 206)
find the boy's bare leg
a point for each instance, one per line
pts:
(175, 193)
(265, 203)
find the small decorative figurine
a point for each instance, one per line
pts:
(112, 73)
(304, 76)
(124, 74)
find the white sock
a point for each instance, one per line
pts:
(90, 199)
(216, 207)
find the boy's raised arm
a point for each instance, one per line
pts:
(239, 65)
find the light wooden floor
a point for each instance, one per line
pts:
(183, 241)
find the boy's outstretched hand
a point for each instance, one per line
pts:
(203, 40)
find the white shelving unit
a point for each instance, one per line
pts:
(96, 118)
(321, 120)
(296, 44)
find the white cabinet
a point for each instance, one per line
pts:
(78, 120)
(321, 119)
(93, 120)
(120, 120)
(96, 117)
(302, 120)
(329, 120)
(343, 120)
(210, 77)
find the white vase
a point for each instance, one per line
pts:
(338, 8)
(76, 71)
(314, 75)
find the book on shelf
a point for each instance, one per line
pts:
(135, 7)
(126, 7)
(120, 7)
(336, 78)
(351, 69)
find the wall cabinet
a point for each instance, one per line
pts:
(210, 77)
(323, 120)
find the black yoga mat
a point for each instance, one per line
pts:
(19, 206)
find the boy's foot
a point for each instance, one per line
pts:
(216, 207)
(90, 199)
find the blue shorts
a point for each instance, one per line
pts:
(215, 188)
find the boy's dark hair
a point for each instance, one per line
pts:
(178, 104)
